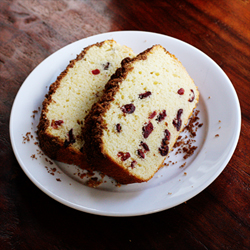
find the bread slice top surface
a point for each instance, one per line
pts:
(160, 73)
(77, 88)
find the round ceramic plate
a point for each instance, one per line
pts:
(179, 180)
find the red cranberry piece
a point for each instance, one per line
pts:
(95, 71)
(167, 134)
(145, 146)
(181, 91)
(179, 113)
(177, 121)
(141, 153)
(166, 138)
(164, 150)
(71, 138)
(55, 124)
(133, 164)
(118, 127)
(152, 115)
(106, 66)
(192, 96)
(144, 95)
(164, 142)
(124, 156)
(147, 130)
(161, 116)
(128, 108)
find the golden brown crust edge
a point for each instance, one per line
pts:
(53, 146)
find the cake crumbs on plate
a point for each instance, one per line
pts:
(94, 182)
(33, 156)
(52, 171)
(27, 137)
(185, 145)
(189, 150)
(34, 113)
(49, 161)
(183, 165)
(193, 124)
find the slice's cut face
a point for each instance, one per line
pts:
(80, 87)
(149, 111)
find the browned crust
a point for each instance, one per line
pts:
(94, 125)
(54, 146)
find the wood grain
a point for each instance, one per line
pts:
(217, 218)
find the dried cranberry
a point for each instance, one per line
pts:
(124, 156)
(152, 115)
(167, 134)
(166, 138)
(141, 153)
(70, 140)
(164, 141)
(147, 130)
(181, 91)
(164, 150)
(133, 164)
(145, 146)
(177, 121)
(192, 96)
(95, 71)
(106, 66)
(128, 108)
(161, 116)
(179, 113)
(144, 95)
(55, 124)
(118, 127)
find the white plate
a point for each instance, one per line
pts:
(172, 185)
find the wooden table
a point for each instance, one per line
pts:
(217, 218)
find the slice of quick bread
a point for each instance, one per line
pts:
(71, 97)
(146, 104)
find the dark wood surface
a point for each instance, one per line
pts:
(217, 218)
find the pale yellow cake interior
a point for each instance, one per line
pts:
(80, 88)
(163, 75)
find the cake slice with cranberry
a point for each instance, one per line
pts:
(71, 97)
(146, 104)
